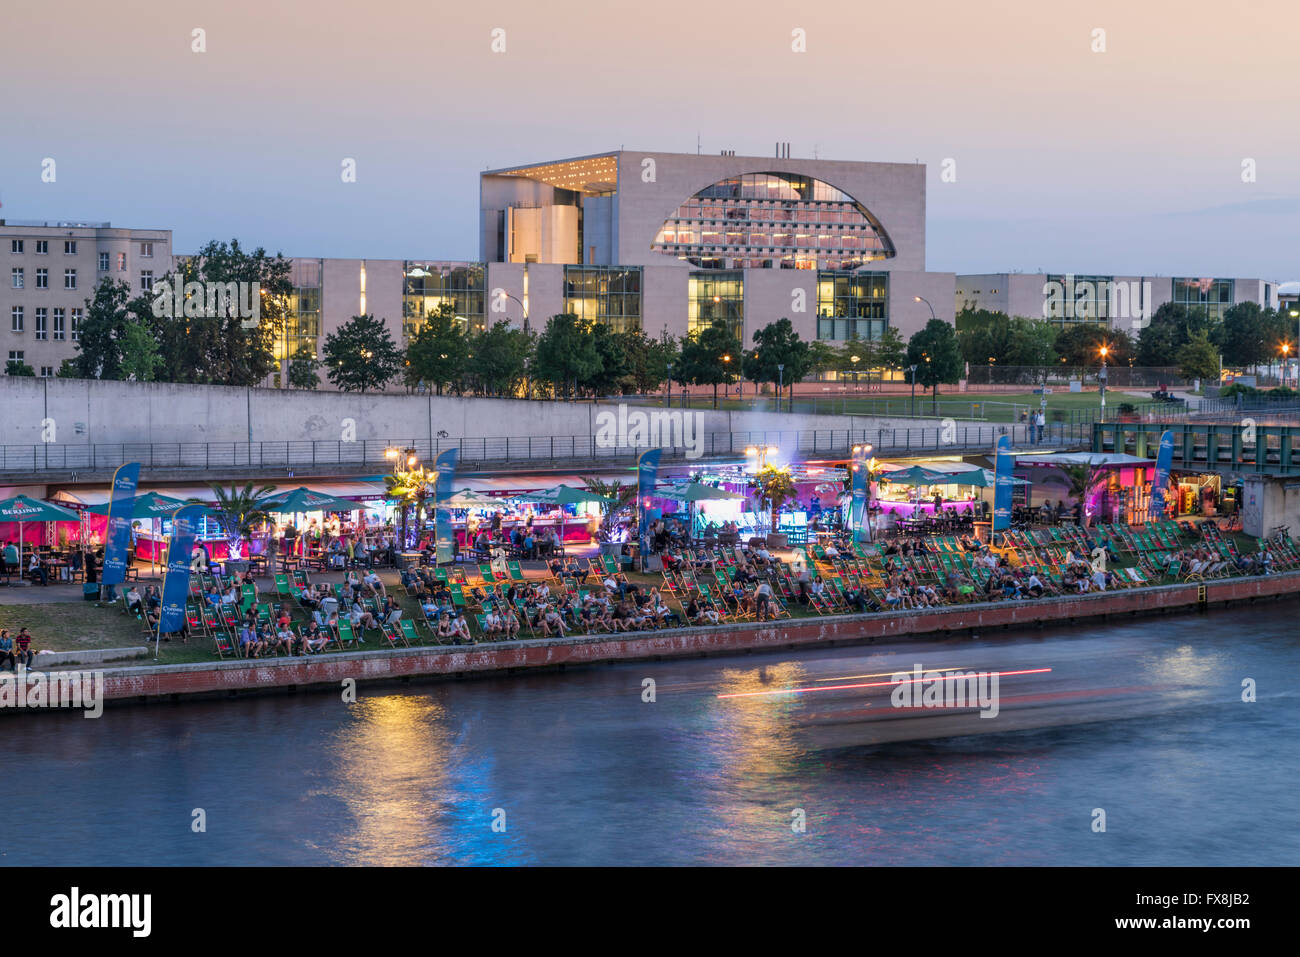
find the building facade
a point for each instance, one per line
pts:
(49, 269)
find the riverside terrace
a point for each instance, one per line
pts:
(714, 588)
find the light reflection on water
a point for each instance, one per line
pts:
(588, 773)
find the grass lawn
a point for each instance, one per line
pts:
(991, 407)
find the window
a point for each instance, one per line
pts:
(69, 247)
(429, 285)
(17, 356)
(42, 279)
(42, 317)
(59, 317)
(76, 324)
(719, 295)
(15, 246)
(1072, 299)
(773, 220)
(146, 250)
(42, 247)
(1214, 296)
(851, 305)
(16, 319)
(146, 280)
(605, 294)
(17, 274)
(69, 279)
(47, 371)
(103, 262)
(121, 262)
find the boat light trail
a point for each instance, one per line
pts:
(878, 684)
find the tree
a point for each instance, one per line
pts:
(865, 351)
(99, 352)
(712, 356)
(1248, 335)
(411, 487)
(141, 361)
(891, 350)
(17, 367)
(618, 496)
(612, 378)
(438, 353)
(824, 357)
(362, 355)
(1080, 344)
(223, 349)
(498, 359)
(68, 369)
(645, 360)
(1199, 359)
(566, 353)
(1171, 327)
(239, 510)
(302, 368)
(775, 487)
(780, 355)
(937, 356)
(1032, 346)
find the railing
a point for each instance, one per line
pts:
(362, 455)
(1210, 447)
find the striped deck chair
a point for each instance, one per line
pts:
(345, 636)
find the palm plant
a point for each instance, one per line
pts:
(620, 496)
(239, 510)
(775, 487)
(413, 487)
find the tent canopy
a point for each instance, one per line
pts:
(1092, 459)
(566, 495)
(20, 508)
(694, 492)
(303, 499)
(149, 505)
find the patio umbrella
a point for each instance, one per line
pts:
(22, 509)
(565, 495)
(918, 475)
(303, 499)
(468, 498)
(151, 506)
(694, 492)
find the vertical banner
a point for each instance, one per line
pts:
(117, 538)
(1159, 484)
(647, 472)
(445, 467)
(176, 583)
(861, 475)
(1003, 482)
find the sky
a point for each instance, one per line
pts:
(1166, 144)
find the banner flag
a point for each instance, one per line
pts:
(1159, 485)
(445, 467)
(176, 583)
(647, 473)
(117, 549)
(1003, 483)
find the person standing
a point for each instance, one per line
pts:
(1042, 426)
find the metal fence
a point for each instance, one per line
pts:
(355, 457)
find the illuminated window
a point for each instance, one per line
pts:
(770, 221)
(716, 295)
(852, 305)
(605, 294)
(427, 285)
(1212, 295)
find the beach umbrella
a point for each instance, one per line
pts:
(695, 492)
(468, 498)
(22, 509)
(565, 495)
(918, 475)
(151, 506)
(303, 499)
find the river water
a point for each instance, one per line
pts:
(1144, 722)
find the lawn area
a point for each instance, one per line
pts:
(989, 407)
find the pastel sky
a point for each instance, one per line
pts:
(1128, 161)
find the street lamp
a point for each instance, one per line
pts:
(927, 302)
(855, 360)
(1101, 378)
(780, 388)
(726, 386)
(912, 369)
(670, 385)
(761, 452)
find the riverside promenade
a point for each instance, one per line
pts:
(233, 679)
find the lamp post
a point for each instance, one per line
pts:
(780, 388)
(855, 360)
(1286, 360)
(726, 385)
(670, 385)
(927, 302)
(1101, 378)
(912, 369)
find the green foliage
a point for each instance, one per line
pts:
(361, 355)
(99, 351)
(712, 356)
(141, 359)
(68, 369)
(935, 353)
(302, 369)
(891, 350)
(240, 509)
(17, 367)
(1199, 359)
(1172, 327)
(776, 487)
(1080, 346)
(498, 359)
(779, 355)
(438, 354)
(567, 354)
(621, 495)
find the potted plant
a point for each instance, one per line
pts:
(620, 496)
(775, 488)
(238, 512)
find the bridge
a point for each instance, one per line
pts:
(1242, 447)
(56, 462)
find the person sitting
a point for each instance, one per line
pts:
(553, 623)
(460, 631)
(134, 601)
(491, 625)
(7, 651)
(250, 645)
(314, 641)
(362, 620)
(1034, 586)
(444, 628)
(509, 623)
(894, 597)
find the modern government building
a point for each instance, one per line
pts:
(661, 242)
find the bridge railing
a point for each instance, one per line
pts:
(506, 450)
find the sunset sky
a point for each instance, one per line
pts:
(1127, 161)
